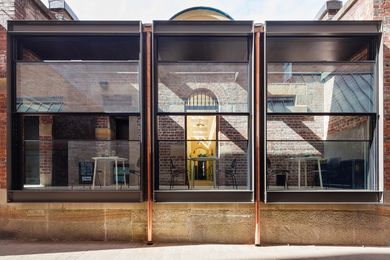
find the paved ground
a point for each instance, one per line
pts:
(10, 249)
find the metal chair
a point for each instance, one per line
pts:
(282, 172)
(174, 172)
(231, 172)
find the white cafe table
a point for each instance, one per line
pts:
(191, 178)
(105, 160)
(303, 160)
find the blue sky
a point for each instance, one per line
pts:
(148, 10)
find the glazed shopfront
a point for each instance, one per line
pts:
(188, 120)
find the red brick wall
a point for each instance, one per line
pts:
(30, 10)
(338, 124)
(359, 10)
(21, 10)
(3, 52)
(382, 12)
(45, 149)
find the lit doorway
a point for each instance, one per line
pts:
(201, 139)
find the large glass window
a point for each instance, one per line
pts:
(76, 116)
(320, 152)
(203, 152)
(82, 86)
(203, 113)
(79, 152)
(321, 114)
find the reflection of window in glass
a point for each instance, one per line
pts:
(83, 86)
(201, 101)
(287, 69)
(280, 104)
(61, 152)
(327, 87)
(203, 152)
(199, 78)
(317, 152)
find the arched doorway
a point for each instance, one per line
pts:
(201, 137)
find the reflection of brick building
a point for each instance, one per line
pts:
(219, 112)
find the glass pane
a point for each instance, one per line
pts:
(206, 165)
(171, 165)
(193, 48)
(80, 152)
(78, 47)
(77, 87)
(201, 127)
(170, 127)
(70, 165)
(203, 87)
(233, 165)
(309, 127)
(320, 165)
(233, 128)
(328, 87)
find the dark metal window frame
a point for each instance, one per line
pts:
(205, 29)
(63, 29)
(294, 29)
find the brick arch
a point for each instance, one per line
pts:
(205, 98)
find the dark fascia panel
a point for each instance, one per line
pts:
(86, 27)
(292, 28)
(203, 27)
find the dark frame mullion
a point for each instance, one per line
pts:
(202, 114)
(172, 194)
(324, 62)
(76, 113)
(15, 178)
(197, 62)
(368, 114)
(78, 62)
(185, 148)
(313, 140)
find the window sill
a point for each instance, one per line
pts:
(203, 196)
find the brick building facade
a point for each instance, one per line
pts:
(319, 111)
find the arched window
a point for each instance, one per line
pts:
(201, 100)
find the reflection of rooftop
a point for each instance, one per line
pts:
(352, 92)
(40, 104)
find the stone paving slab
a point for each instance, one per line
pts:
(11, 249)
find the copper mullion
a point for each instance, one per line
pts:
(257, 138)
(149, 210)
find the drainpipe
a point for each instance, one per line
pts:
(257, 153)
